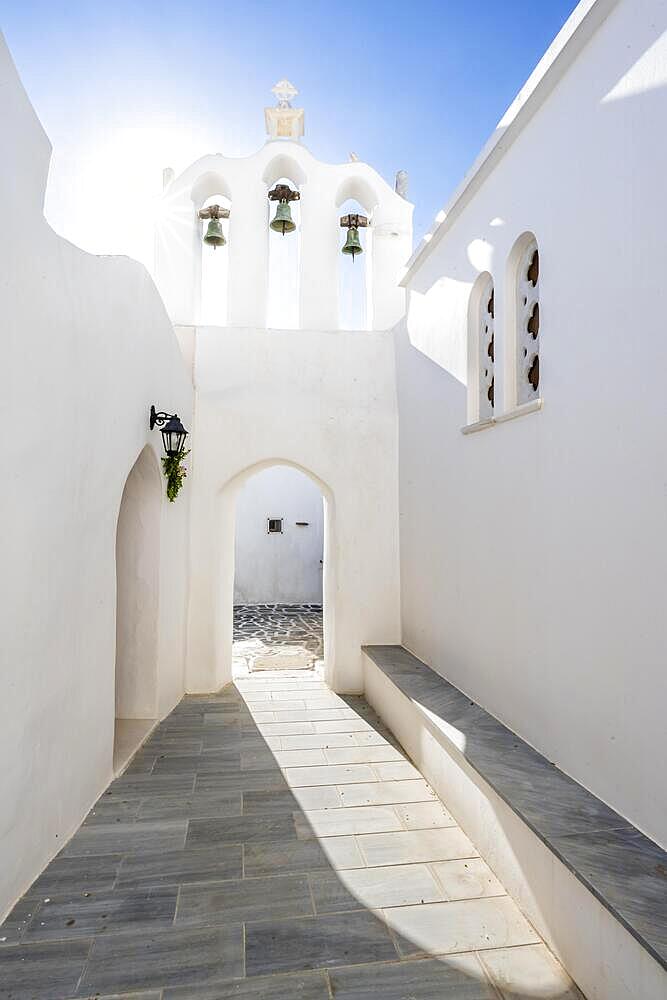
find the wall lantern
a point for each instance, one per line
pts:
(353, 223)
(282, 221)
(214, 236)
(172, 430)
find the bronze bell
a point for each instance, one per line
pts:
(214, 235)
(283, 222)
(352, 243)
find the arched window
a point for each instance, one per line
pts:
(527, 319)
(215, 271)
(481, 349)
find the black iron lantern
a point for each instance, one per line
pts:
(172, 430)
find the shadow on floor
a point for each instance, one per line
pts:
(271, 841)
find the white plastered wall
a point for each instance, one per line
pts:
(324, 403)
(87, 347)
(280, 567)
(533, 553)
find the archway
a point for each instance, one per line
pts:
(229, 498)
(137, 595)
(278, 572)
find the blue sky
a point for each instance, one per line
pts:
(126, 88)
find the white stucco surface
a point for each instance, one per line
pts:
(533, 552)
(284, 567)
(326, 404)
(87, 347)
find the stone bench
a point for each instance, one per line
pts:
(593, 885)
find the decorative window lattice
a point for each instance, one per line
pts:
(528, 325)
(486, 349)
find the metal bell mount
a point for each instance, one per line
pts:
(214, 236)
(283, 222)
(353, 223)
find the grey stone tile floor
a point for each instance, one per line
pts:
(255, 850)
(277, 636)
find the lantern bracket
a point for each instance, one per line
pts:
(159, 418)
(213, 212)
(283, 192)
(353, 221)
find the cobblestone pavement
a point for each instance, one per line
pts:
(277, 636)
(272, 842)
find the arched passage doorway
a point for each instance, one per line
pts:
(278, 572)
(224, 599)
(137, 596)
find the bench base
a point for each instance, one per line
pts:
(602, 957)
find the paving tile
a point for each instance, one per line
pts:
(415, 845)
(240, 830)
(467, 879)
(173, 867)
(199, 805)
(401, 770)
(301, 856)
(245, 899)
(295, 986)
(528, 971)
(113, 811)
(330, 774)
(15, 923)
(316, 741)
(289, 801)
(458, 978)
(314, 715)
(162, 744)
(212, 761)
(362, 755)
(462, 925)
(351, 725)
(45, 970)
(174, 957)
(386, 793)
(137, 785)
(240, 781)
(221, 738)
(287, 728)
(370, 739)
(374, 888)
(69, 917)
(316, 942)
(341, 822)
(123, 838)
(300, 758)
(421, 815)
(80, 874)
(141, 763)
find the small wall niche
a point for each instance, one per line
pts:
(274, 525)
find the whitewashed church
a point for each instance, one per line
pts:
(333, 565)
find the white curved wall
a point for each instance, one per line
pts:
(87, 347)
(285, 567)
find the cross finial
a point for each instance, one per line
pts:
(283, 121)
(284, 91)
